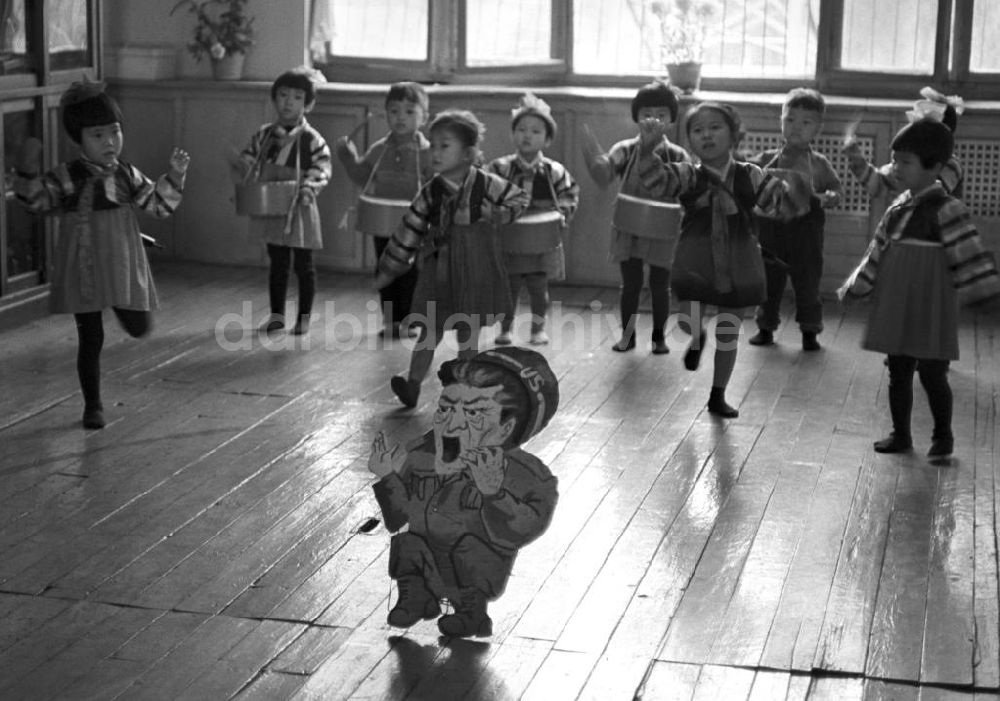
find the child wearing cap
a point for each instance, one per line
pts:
(926, 257)
(290, 149)
(98, 259)
(449, 234)
(469, 495)
(551, 188)
(395, 167)
(633, 253)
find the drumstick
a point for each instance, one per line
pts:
(851, 130)
(369, 116)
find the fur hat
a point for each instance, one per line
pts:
(655, 94)
(928, 138)
(536, 107)
(87, 105)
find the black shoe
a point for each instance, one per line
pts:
(809, 342)
(893, 443)
(692, 358)
(720, 407)
(470, 618)
(415, 603)
(941, 447)
(408, 391)
(763, 337)
(93, 415)
(660, 347)
(301, 326)
(624, 344)
(272, 324)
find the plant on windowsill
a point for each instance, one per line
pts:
(683, 29)
(223, 32)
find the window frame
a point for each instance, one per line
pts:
(447, 60)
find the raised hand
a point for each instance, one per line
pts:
(179, 161)
(488, 467)
(651, 132)
(384, 460)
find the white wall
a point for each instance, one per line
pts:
(281, 31)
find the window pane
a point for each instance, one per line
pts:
(68, 33)
(893, 36)
(985, 28)
(24, 239)
(13, 38)
(743, 38)
(505, 32)
(396, 29)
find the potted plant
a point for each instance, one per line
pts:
(683, 29)
(223, 32)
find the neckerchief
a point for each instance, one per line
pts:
(280, 137)
(82, 230)
(719, 197)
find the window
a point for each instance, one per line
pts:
(838, 45)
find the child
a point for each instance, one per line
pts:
(880, 181)
(798, 242)
(926, 253)
(394, 167)
(98, 260)
(653, 101)
(287, 149)
(470, 496)
(718, 261)
(551, 187)
(449, 234)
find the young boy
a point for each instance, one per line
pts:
(551, 188)
(283, 150)
(798, 242)
(394, 167)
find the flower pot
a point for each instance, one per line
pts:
(685, 76)
(229, 67)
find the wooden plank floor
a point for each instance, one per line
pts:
(216, 540)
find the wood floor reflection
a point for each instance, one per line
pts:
(214, 540)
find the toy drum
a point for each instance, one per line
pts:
(647, 218)
(537, 232)
(266, 199)
(378, 216)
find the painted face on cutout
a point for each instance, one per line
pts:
(467, 417)
(530, 136)
(102, 144)
(404, 117)
(911, 173)
(290, 104)
(449, 155)
(710, 137)
(799, 126)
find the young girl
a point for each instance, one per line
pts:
(551, 187)
(881, 180)
(449, 233)
(719, 197)
(287, 149)
(925, 255)
(653, 101)
(394, 167)
(99, 260)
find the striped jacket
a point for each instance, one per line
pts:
(482, 196)
(122, 184)
(935, 216)
(312, 156)
(541, 180)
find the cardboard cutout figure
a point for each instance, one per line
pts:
(471, 498)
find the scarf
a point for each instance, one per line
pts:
(722, 203)
(81, 221)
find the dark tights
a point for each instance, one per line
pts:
(90, 332)
(934, 378)
(659, 289)
(281, 256)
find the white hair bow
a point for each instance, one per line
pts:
(934, 104)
